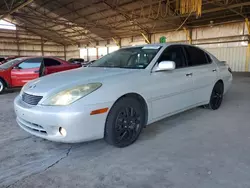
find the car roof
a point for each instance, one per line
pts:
(21, 58)
(158, 45)
(29, 57)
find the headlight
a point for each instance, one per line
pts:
(69, 96)
(21, 92)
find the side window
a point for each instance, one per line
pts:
(195, 56)
(174, 53)
(30, 63)
(50, 62)
(209, 60)
(80, 60)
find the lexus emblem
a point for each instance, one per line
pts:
(32, 86)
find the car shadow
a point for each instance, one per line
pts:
(8, 91)
(152, 130)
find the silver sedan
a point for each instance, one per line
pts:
(121, 93)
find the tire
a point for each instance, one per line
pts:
(2, 86)
(216, 96)
(124, 123)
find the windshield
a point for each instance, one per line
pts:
(133, 58)
(10, 63)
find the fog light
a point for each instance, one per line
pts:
(62, 131)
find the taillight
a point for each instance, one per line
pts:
(229, 70)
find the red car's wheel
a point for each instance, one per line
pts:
(2, 86)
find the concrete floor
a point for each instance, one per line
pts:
(198, 148)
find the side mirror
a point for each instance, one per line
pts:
(165, 66)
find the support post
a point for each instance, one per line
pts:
(65, 55)
(248, 46)
(87, 54)
(42, 47)
(17, 42)
(148, 41)
(117, 42)
(188, 34)
(97, 53)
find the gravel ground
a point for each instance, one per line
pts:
(197, 148)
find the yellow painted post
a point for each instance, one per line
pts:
(188, 35)
(248, 47)
(145, 37)
(116, 42)
(247, 58)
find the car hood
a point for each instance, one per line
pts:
(3, 70)
(64, 80)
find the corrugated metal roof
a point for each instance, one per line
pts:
(78, 21)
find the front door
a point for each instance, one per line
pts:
(25, 71)
(171, 90)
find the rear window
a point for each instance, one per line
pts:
(48, 62)
(195, 56)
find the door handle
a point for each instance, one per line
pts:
(37, 71)
(189, 74)
(214, 70)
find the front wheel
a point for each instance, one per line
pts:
(125, 122)
(2, 86)
(216, 96)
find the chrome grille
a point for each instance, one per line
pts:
(31, 99)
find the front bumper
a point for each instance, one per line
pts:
(45, 121)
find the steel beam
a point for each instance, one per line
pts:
(212, 10)
(127, 18)
(15, 9)
(38, 34)
(69, 27)
(61, 37)
(226, 6)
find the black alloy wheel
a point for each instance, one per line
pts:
(216, 96)
(125, 122)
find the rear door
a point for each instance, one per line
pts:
(204, 73)
(53, 66)
(25, 71)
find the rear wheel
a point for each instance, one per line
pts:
(2, 86)
(124, 123)
(216, 96)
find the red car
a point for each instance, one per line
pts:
(17, 72)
